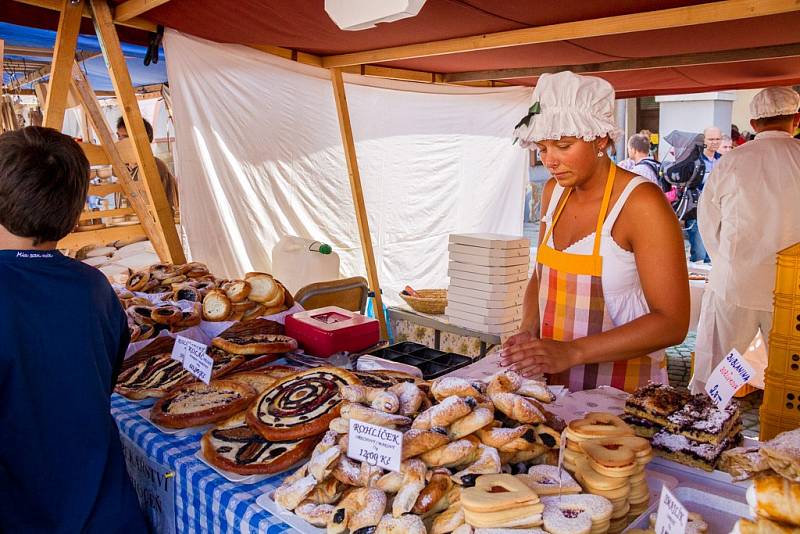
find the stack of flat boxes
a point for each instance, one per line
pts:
(488, 275)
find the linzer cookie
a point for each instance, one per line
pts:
(235, 447)
(701, 420)
(656, 402)
(300, 405)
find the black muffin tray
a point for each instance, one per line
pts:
(433, 363)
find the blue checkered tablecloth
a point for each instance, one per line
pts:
(204, 500)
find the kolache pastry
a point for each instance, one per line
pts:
(234, 446)
(198, 404)
(300, 405)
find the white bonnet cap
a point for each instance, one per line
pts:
(774, 101)
(567, 104)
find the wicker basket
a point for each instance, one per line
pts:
(432, 301)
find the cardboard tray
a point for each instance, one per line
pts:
(500, 241)
(459, 267)
(489, 252)
(490, 261)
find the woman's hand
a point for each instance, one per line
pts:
(530, 356)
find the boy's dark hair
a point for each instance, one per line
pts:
(44, 179)
(147, 127)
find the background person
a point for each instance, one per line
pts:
(598, 311)
(167, 178)
(748, 212)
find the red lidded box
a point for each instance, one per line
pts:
(331, 329)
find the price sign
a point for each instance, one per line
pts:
(194, 357)
(376, 445)
(732, 373)
(672, 515)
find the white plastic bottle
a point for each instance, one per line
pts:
(297, 262)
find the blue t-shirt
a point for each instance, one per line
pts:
(63, 336)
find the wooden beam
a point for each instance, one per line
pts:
(133, 8)
(55, 5)
(358, 195)
(720, 11)
(105, 189)
(680, 60)
(95, 154)
(165, 237)
(119, 212)
(69, 24)
(76, 240)
(2, 57)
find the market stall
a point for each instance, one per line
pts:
(469, 437)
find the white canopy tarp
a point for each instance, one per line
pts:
(259, 155)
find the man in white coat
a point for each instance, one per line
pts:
(748, 212)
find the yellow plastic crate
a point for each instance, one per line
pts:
(784, 358)
(781, 397)
(786, 317)
(787, 277)
(770, 424)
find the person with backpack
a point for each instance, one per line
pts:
(639, 160)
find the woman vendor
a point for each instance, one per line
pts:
(611, 287)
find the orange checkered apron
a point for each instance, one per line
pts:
(572, 306)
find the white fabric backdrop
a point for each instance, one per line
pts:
(259, 155)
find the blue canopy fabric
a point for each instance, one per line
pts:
(95, 68)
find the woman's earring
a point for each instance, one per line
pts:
(599, 153)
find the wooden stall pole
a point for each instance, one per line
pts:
(69, 24)
(358, 195)
(95, 115)
(169, 245)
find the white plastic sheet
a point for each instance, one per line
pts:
(259, 155)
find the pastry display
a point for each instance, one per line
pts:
(456, 447)
(300, 405)
(199, 404)
(151, 371)
(215, 299)
(686, 428)
(254, 337)
(233, 446)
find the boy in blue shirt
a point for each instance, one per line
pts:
(63, 336)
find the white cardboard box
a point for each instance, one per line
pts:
(478, 319)
(498, 330)
(497, 289)
(488, 278)
(484, 269)
(502, 296)
(487, 252)
(513, 300)
(490, 261)
(473, 313)
(491, 240)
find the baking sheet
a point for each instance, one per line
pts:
(266, 502)
(720, 512)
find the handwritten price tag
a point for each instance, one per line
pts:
(194, 357)
(732, 373)
(376, 445)
(672, 515)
